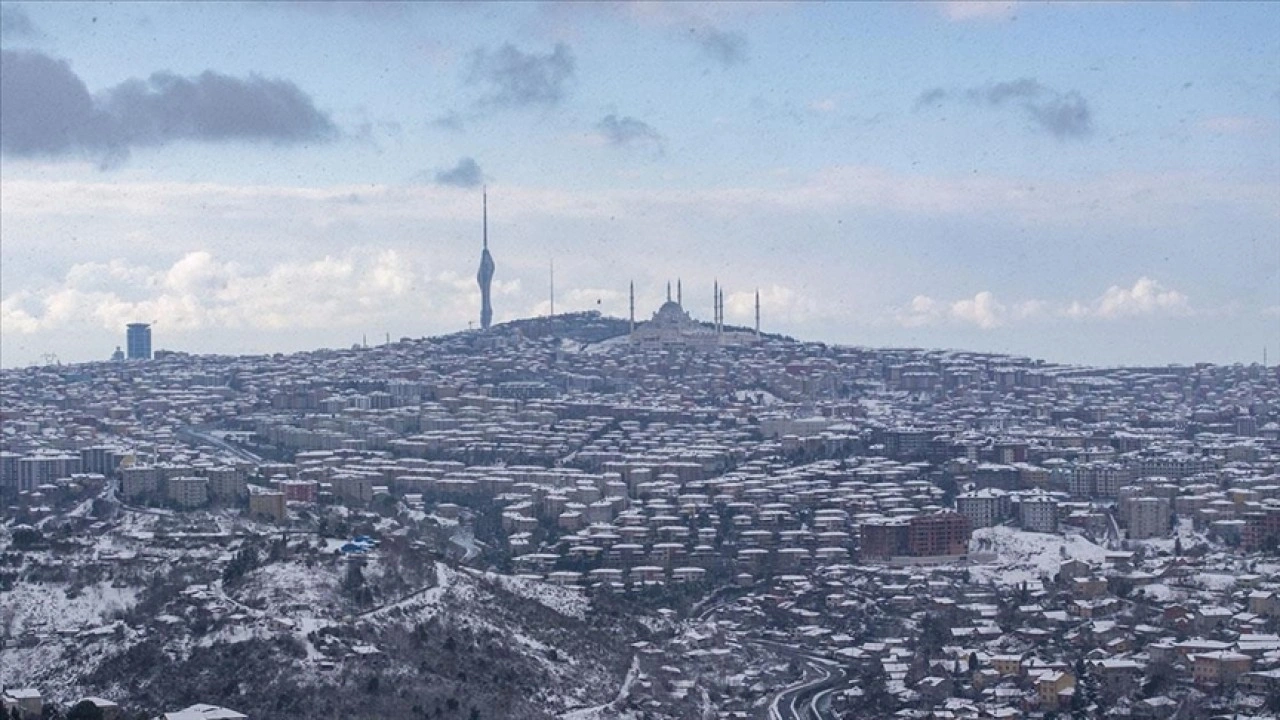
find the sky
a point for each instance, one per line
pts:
(1083, 182)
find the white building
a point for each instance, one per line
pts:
(188, 492)
(1039, 513)
(205, 712)
(1148, 517)
(985, 507)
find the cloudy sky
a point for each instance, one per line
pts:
(1082, 182)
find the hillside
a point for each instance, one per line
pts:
(297, 632)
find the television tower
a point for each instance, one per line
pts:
(485, 276)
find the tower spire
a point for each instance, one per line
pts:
(715, 304)
(668, 291)
(485, 275)
(721, 303)
(679, 294)
(757, 313)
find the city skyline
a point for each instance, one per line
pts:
(1090, 184)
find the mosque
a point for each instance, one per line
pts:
(672, 326)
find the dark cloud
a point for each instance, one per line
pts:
(931, 97)
(451, 120)
(998, 93)
(518, 79)
(1061, 114)
(621, 131)
(465, 174)
(376, 10)
(46, 109)
(15, 24)
(724, 47)
(1064, 116)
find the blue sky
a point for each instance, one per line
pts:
(1084, 182)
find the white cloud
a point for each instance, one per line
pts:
(824, 105)
(1145, 298)
(1237, 125)
(14, 318)
(922, 310)
(779, 304)
(964, 10)
(199, 292)
(1157, 199)
(982, 310)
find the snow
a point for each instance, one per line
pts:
(47, 609)
(1158, 592)
(604, 346)
(565, 601)
(1025, 556)
(283, 588)
(1185, 531)
(422, 603)
(465, 538)
(766, 398)
(1215, 581)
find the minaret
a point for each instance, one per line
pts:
(553, 287)
(668, 291)
(633, 306)
(679, 294)
(485, 276)
(715, 305)
(757, 313)
(721, 309)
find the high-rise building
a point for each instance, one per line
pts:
(138, 341)
(1148, 517)
(485, 276)
(984, 507)
(944, 533)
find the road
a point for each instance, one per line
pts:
(201, 436)
(810, 697)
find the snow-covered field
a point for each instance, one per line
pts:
(284, 588)
(566, 601)
(46, 608)
(1026, 556)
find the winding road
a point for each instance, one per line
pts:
(810, 697)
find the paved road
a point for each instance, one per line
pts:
(810, 697)
(203, 436)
